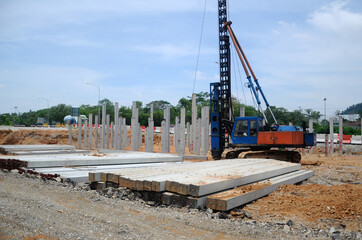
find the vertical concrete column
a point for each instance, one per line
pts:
(112, 135)
(188, 134)
(147, 143)
(182, 131)
(151, 111)
(176, 134)
(326, 145)
(85, 135)
(103, 131)
(116, 122)
(202, 129)
(242, 111)
(311, 130)
(79, 132)
(197, 136)
(167, 128)
(150, 133)
(90, 130)
(119, 134)
(194, 123)
(70, 134)
(331, 133)
(149, 136)
(108, 118)
(124, 141)
(134, 128)
(190, 139)
(340, 135)
(205, 130)
(96, 124)
(163, 137)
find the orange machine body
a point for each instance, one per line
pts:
(281, 138)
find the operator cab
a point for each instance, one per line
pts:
(246, 129)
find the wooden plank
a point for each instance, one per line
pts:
(239, 196)
(94, 176)
(113, 178)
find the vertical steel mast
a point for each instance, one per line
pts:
(220, 92)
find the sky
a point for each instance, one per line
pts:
(302, 51)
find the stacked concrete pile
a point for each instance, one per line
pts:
(198, 184)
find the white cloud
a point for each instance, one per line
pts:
(334, 18)
(305, 62)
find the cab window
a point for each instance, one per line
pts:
(241, 128)
(253, 128)
(260, 125)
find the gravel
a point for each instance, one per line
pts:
(32, 207)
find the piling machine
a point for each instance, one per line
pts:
(246, 137)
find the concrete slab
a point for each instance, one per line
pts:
(203, 178)
(61, 160)
(50, 152)
(195, 157)
(12, 148)
(227, 200)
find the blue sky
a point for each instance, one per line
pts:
(301, 51)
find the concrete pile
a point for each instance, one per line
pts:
(205, 184)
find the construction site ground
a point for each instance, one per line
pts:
(326, 206)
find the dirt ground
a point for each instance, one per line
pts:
(328, 204)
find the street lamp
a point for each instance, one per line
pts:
(99, 97)
(48, 107)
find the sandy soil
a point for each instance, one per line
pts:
(330, 200)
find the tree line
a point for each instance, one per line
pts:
(57, 113)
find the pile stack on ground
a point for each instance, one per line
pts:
(199, 184)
